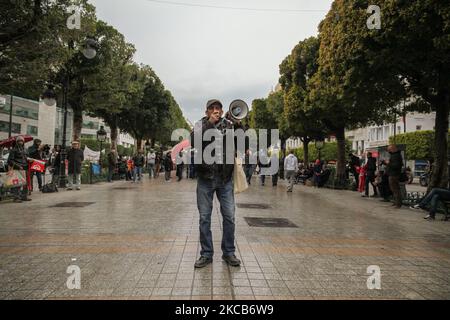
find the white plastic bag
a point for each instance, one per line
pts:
(239, 178)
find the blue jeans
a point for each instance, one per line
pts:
(433, 199)
(137, 172)
(205, 196)
(110, 173)
(151, 170)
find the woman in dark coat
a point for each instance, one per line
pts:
(17, 160)
(75, 156)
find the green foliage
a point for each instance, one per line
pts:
(363, 73)
(419, 144)
(37, 47)
(328, 153)
(33, 42)
(295, 70)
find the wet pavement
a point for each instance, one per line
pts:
(140, 241)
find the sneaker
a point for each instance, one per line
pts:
(203, 262)
(232, 260)
(68, 189)
(416, 207)
(78, 188)
(429, 218)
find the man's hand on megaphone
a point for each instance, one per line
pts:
(214, 117)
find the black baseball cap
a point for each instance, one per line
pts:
(212, 102)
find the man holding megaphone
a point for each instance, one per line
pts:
(217, 178)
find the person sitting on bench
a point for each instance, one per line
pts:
(433, 199)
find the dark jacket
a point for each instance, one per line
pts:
(371, 165)
(56, 163)
(18, 158)
(210, 171)
(139, 160)
(354, 162)
(34, 152)
(75, 158)
(112, 159)
(168, 163)
(394, 168)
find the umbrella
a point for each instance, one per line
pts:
(179, 147)
(8, 143)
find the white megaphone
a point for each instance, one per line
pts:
(238, 109)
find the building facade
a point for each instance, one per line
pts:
(29, 117)
(376, 136)
(37, 119)
(91, 125)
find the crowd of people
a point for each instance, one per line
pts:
(129, 168)
(386, 177)
(389, 179)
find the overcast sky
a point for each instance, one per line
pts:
(203, 52)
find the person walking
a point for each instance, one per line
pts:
(17, 160)
(151, 161)
(290, 169)
(158, 161)
(130, 169)
(168, 166)
(35, 152)
(138, 161)
(355, 164)
(371, 168)
(263, 162)
(112, 163)
(75, 157)
(55, 162)
(394, 168)
(248, 166)
(216, 178)
(317, 169)
(180, 166)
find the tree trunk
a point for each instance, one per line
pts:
(306, 150)
(439, 177)
(77, 121)
(340, 169)
(138, 144)
(114, 134)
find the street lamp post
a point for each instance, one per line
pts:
(319, 146)
(89, 51)
(10, 116)
(101, 137)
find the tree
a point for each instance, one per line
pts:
(33, 43)
(295, 71)
(419, 144)
(413, 46)
(342, 91)
(147, 108)
(108, 89)
(175, 120)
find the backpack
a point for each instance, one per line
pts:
(49, 188)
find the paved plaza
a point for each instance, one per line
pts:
(140, 241)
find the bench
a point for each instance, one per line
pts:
(447, 208)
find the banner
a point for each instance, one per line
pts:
(91, 155)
